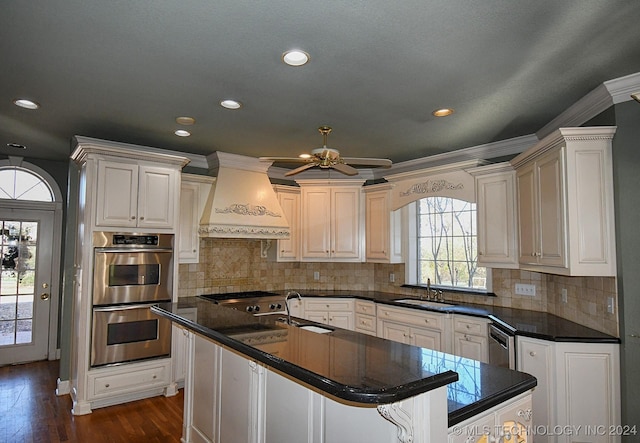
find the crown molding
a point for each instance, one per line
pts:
(512, 146)
(599, 100)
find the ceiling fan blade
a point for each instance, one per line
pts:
(381, 162)
(300, 169)
(285, 159)
(345, 169)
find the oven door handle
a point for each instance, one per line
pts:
(130, 250)
(121, 307)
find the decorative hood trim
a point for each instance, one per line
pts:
(242, 202)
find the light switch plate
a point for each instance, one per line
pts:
(524, 289)
(564, 295)
(392, 277)
(316, 275)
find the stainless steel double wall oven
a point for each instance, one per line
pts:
(131, 273)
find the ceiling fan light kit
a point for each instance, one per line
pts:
(329, 158)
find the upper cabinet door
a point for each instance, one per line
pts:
(289, 199)
(551, 190)
(345, 226)
(316, 222)
(156, 197)
(117, 194)
(497, 240)
(188, 248)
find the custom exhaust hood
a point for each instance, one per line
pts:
(242, 202)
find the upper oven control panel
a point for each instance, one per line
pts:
(149, 240)
(131, 240)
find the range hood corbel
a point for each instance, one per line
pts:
(242, 202)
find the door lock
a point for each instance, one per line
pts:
(44, 296)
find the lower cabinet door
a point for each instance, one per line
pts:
(396, 332)
(471, 346)
(426, 338)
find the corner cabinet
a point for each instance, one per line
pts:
(331, 222)
(383, 227)
(496, 215)
(565, 203)
(578, 387)
(134, 195)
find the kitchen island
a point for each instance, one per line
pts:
(258, 379)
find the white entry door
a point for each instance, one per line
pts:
(26, 242)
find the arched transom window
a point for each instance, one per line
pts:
(21, 184)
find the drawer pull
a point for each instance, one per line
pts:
(154, 376)
(426, 320)
(468, 326)
(532, 353)
(107, 385)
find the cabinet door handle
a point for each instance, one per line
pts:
(532, 353)
(133, 217)
(426, 320)
(141, 218)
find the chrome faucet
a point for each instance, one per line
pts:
(432, 291)
(290, 295)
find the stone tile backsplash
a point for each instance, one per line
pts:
(233, 265)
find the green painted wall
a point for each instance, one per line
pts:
(626, 169)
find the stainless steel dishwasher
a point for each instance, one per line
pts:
(501, 348)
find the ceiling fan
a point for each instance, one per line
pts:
(326, 157)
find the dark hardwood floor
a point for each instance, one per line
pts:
(30, 411)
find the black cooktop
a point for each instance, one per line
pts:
(235, 295)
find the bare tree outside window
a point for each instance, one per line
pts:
(447, 244)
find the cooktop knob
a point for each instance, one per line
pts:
(249, 308)
(256, 308)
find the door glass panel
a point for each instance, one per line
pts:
(18, 243)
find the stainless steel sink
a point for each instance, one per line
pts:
(425, 303)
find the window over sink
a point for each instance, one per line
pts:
(445, 249)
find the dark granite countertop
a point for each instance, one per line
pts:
(516, 321)
(352, 366)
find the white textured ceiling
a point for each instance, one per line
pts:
(123, 70)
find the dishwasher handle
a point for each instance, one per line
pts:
(499, 336)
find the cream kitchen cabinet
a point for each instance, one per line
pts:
(136, 195)
(330, 225)
(194, 191)
(578, 385)
(383, 227)
(365, 317)
(420, 328)
(330, 311)
(565, 203)
(288, 249)
(470, 337)
(496, 215)
(510, 422)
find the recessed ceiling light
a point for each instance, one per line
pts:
(295, 57)
(16, 146)
(231, 104)
(182, 133)
(186, 121)
(444, 112)
(26, 103)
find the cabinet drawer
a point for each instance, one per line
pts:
(470, 326)
(365, 307)
(366, 322)
(413, 317)
(132, 380)
(328, 305)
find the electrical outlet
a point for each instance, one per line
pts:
(564, 295)
(392, 277)
(523, 289)
(610, 305)
(316, 275)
